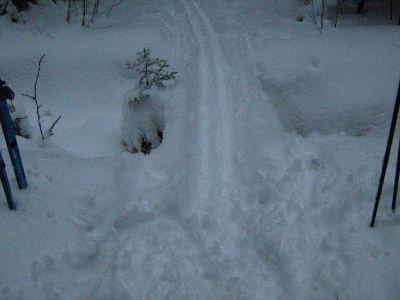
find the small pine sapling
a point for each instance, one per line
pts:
(151, 73)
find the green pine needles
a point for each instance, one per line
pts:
(151, 73)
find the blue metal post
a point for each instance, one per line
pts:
(6, 184)
(9, 135)
(386, 161)
(13, 150)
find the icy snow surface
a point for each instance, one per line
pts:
(263, 186)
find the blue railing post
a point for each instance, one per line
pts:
(6, 184)
(5, 93)
(9, 135)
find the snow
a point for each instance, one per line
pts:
(319, 88)
(142, 120)
(263, 186)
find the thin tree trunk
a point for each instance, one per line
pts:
(322, 14)
(360, 7)
(69, 11)
(391, 9)
(337, 12)
(398, 23)
(84, 12)
(95, 10)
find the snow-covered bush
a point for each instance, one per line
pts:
(20, 121)
(7, 7)
(143, 122)
(142, 110)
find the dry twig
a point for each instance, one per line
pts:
(39, 106)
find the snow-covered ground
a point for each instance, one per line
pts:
(263, 186)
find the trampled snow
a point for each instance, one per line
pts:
(263, 186)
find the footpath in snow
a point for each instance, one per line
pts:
(263, 186)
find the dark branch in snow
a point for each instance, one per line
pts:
(34, 98)
(115, 4)
(51, 133)
(39, 106)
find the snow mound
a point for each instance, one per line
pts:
(21, 123)
(143, 122)
(320, 89)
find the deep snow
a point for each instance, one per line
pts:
(263, 186)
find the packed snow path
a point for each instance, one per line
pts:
(234, 204)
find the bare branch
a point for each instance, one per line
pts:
(53, 125)
(17, 120)
(29, 96)
(115, 4)
(315, 17)
(37, 75)
(39, 106)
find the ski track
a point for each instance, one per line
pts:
(215, 113)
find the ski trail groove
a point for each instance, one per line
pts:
(223, 97)
(215, 140)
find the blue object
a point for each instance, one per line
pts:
(13, 150)
(12, 146)
(6, 184)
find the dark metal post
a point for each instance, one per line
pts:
(6, 184)
(9, 135)
(13, 150)
(386, 157)
(396, 180)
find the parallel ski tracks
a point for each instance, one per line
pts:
(215, 125)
